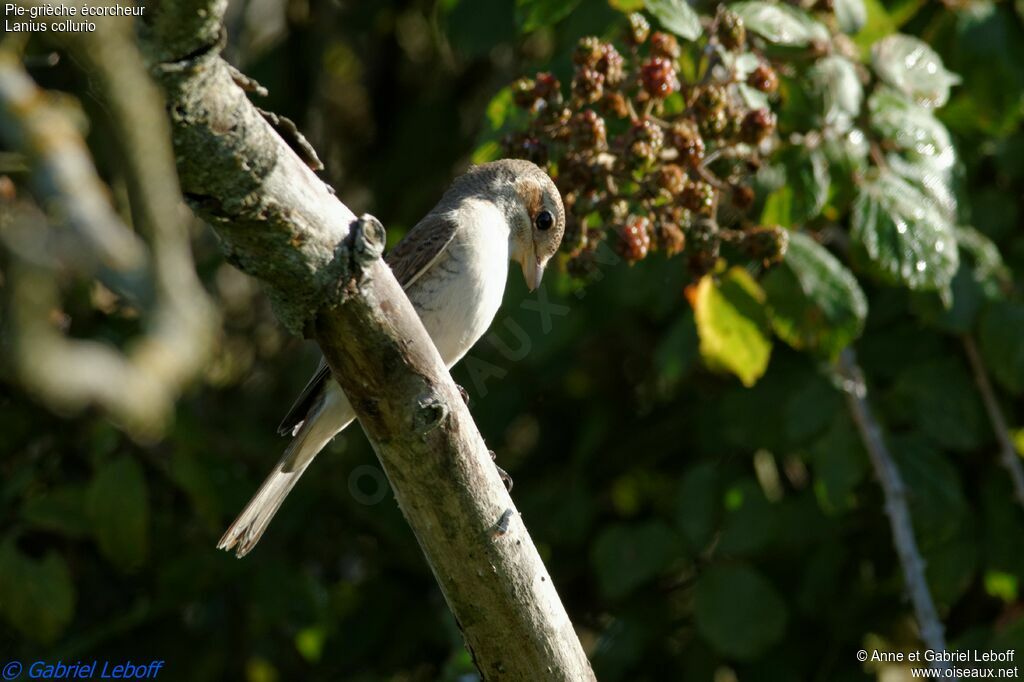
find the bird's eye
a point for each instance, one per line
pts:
(544, 221)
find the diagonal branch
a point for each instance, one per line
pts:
(896, 506)
(323, 270)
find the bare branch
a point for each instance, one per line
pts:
(1007, 452)
(896, 506)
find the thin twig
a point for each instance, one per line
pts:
(1007, 452)
(896, 506)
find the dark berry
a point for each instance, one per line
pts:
(732, 34)
(611, 64)
(713, 124)
(588, 131)
(646, 140)
(588, 52)
(524, 93)
(763, 78)
(614, 103)
(638, 29)
(668, 231)
(671, 178)
(524, 146)
(686, 140)
(757, 125)
(588, 85)
(711, 98)
(658, 77)
(742, 196)
(767, 244)
(698, 196)
(664, 45)
(703, 245)
(635, 239)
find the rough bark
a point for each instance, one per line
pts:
(280, 223)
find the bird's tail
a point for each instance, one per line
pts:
(250, 525)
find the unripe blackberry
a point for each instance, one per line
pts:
(711, 98)
(757, 125)
(767, 244)
(588, 85)
(588, 131)
(634, 238)
(576, 170)
(698, 196)
(742, 196)
(548, 88)
(713, 124)
(684, 137)
(524, 146)
(671, 178)
(763, 78)
(732, 34)
(557, 122)
(611, 64)
(658, 77)
(664, 45)
(588, 52)
(524, 93)
(638, 29)
(614, 103)
(668, 232)
(703, 245)
(645, 141)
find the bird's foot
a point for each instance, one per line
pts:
(463, 392)
(502, 474)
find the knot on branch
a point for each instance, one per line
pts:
(367, 241)
(430, 412)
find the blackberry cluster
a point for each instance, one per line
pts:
(646, 158)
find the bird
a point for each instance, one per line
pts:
(453, 265)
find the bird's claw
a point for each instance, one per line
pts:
(463, 392)
(502, 474)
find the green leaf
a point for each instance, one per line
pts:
(902, 233)
(914, 130)
(697, 505)
(840, 464)
(807, 176)
(999, 334)
(534, 14)
(913, 68)
(36, 597)
(781, 24)
(933, 185)
(851, 15)
(61, 510)
(937, 502)
(750, 522)
(676, 16)
(837, 90)
(625, 557)
(738, 611)
(731, 325)
(814, 301)
(118, 506)
(942, 401)
(988, 267)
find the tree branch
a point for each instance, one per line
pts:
(1007, 452)
(896, 506)
(279, 222)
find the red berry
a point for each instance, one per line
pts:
(664, 45)
(763, 78)
(698, 196)
(588, 131)
(646, 140)
(757, 125)
(635, 240)
(588, 85)
(671, 178)
(658, 77)
(684, 137)
(668, 231)
(742, 196)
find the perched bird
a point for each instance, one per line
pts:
(452, 265)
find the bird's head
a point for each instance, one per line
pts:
(536, 218)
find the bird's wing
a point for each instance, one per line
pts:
(410, 258)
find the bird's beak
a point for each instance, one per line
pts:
(533, 272)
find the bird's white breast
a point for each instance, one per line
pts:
(458, 297)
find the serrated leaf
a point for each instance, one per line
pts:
(118, 506)
(625, 557)
(731, 324)
(781, 24)
(851, 15)
(933, 185)
(904, 236)
(807, 176)
(1000, 331)
(36, 596)
(814, 301)
(534, 14)
(912, 67)
(738, 611)
(676, 16)
(838, 91)
(921, 137)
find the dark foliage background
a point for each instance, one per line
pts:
(696, 529)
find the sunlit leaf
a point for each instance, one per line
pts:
(838, 91)
(676, 16)
(913, 129)
(905, 237)
(738, 611)
(814, 302)
(36, 596)
(118, 507)
(912, 67)
(781, 24)
(851, 15)
(731, 324)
